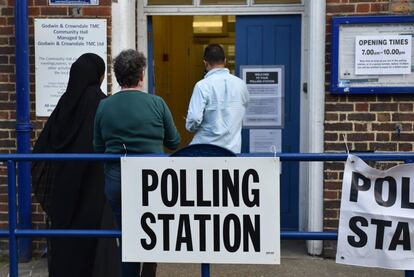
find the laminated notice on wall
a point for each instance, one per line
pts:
(266, 96)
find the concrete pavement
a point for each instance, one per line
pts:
(295, 263)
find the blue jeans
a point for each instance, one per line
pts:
(113, 194)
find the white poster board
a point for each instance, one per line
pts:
(174, 210)
(58, 43)
(347, 56)
(265, 140)
(376, 224)
(383, 55)
(266, 95)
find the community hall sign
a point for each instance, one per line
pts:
(200, 210)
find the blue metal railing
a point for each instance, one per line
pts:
(13, 232)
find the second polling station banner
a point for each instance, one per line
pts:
(376, 226)
(200, 210)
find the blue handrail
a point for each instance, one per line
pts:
(13, 232)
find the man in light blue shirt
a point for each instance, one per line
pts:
(218, 104)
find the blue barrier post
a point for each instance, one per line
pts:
(23, 126)
(11, 181)
(205, 270)
(409, 273)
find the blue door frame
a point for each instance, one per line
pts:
(276, 40)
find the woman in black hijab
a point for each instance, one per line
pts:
(76, 187)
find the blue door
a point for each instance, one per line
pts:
(276, 40)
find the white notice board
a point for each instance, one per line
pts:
(200, 210)
(58, 43)
(266, 95)
(372, 54)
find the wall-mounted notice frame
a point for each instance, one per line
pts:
(74, 2)
(372, 55)
(58, 43)
(266, 95)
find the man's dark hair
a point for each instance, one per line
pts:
(214, 54)
(128, 67)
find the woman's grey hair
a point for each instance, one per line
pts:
(129, 67)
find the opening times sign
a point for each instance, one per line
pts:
(383, 55)
(200, 210)
(58, 43)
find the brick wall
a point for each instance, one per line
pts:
(367, 122)
(37, 9)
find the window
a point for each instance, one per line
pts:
(170, 2)
(222, 2)
(277, 1)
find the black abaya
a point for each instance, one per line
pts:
(77, 189)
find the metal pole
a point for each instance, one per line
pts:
(205, 270)
(11, 173)
(409, 273)
(23, 126)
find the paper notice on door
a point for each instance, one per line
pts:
(265, 140)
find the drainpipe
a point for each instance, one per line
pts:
(316, 92)
(123, 31)
(23, 126)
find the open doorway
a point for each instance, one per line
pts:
(178, 44)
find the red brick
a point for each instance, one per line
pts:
(331, 194)
(406, 107)
(405, 147)
(338, 107)
(376, 146)
(343, 126)
(361, 107)
(360, 137)
(403, 117)
(54, 11)
(361, 116)
(382, 137)
(340, 9)
(91, 11)
(361, 127)
(383, 117)
(363, 8)
(381, 107)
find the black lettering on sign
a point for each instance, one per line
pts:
(379, 237)
(405, 194)
(216, 187)
(403, 231)
(200, 201)
(245, 189)
(172, 175)
(216, 226)
(202, 218)
(166, 218)
(392, 191)
(184, 202)
(147, 188)
(362, 236)
(355, 187)
(230, 186)
(236, 233)
(184, 227)
(147, 229)
(251, 231)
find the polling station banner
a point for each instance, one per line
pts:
(200, 210)
(377, 216)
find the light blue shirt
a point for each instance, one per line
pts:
(217, 108)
